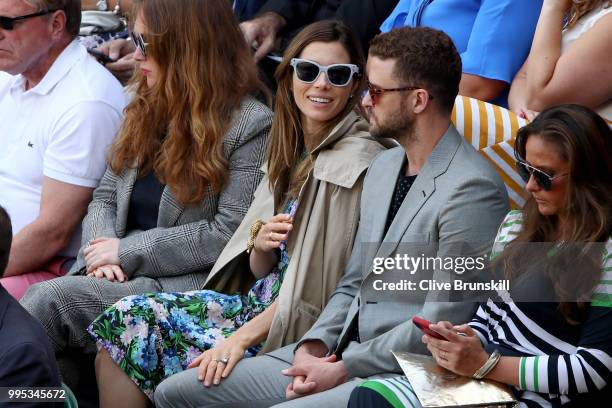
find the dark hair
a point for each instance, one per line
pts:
(6, 237)
(286, 141)
(584, 140)
(424, 57)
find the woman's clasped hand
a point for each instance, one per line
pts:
(102, 259)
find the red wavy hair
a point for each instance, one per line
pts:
(177, 126)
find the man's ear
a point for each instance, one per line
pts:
(58, 24)
(420, 100)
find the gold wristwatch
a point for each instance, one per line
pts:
(253, 231)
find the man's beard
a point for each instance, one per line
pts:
(399, 126)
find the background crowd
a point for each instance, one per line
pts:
(192, 194)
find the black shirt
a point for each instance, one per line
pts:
(144, 203)
(402, 186)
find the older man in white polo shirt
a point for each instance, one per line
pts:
(59, 111)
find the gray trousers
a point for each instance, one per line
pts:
(254, 382)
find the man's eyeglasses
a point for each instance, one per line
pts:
(543, 179)
(337, 74)
(8, 23)
(377, 92)
(139, 42)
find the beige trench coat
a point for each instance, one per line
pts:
(324, 229)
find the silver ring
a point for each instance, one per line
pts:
(223, 360)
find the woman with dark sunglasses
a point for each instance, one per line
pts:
(283, 262)
(550, 336)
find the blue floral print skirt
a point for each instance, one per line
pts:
(152, 336)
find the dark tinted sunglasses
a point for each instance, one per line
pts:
(8, 23)
(139, 43)
(337, 74)
(543, 179)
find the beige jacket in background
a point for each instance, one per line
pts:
(322, 239)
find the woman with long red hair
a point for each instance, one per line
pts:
(182, 171)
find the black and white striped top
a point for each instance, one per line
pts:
(559, 362)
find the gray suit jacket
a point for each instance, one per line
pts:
(457, 198)
(187, 241)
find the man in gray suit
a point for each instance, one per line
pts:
(433, 196)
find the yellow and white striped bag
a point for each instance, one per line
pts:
(492, 129)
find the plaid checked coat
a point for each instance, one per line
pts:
(175, 256)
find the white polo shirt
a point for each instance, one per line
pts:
(61, 129)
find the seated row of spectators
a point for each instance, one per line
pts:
(179, 204)
(493, 37)
(293, 204)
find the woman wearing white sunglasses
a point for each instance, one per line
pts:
(273, 278)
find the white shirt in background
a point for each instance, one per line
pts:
(61, 128)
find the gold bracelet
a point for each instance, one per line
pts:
(253, 231)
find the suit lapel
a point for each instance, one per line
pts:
(125, 185)
(382, 192)
(169, 209)
(422, 189)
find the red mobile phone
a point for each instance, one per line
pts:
(424, 326)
